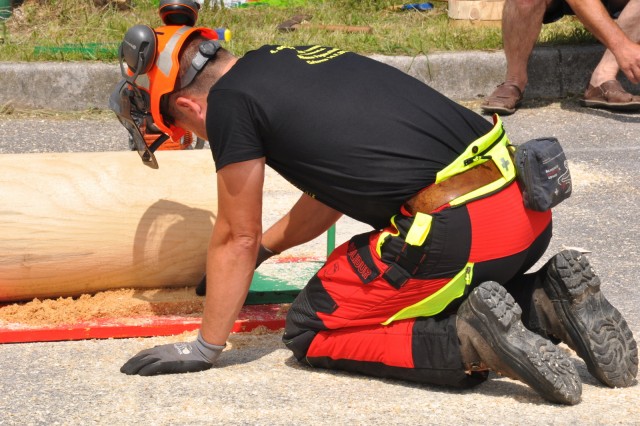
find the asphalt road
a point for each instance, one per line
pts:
(258, 382)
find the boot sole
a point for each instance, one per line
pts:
(515, 351)
(499, 110)
(604, 341)
(613, 106)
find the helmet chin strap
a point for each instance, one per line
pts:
(156, 144)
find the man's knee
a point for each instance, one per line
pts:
(299, 343)
(302, 323)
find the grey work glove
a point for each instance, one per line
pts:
(183, 357)
(263, 254)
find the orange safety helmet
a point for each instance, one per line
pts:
(161, 79)
(151, 73)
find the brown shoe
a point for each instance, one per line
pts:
(610, 95)
(504, 100)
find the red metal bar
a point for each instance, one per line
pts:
(251, 317)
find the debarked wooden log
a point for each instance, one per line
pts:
(74, 223)
(476, 10)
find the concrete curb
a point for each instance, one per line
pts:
(553, 73)
(57, 85)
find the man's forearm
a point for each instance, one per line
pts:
(596, 19)
(229, 272)
(307, 220)
(620, 38)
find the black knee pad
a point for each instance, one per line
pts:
(299, 344)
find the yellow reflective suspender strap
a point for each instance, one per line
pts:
(439, 300)
(419, 229)
(474, 152)
(502, 159)
(383, 236)
(493, 146)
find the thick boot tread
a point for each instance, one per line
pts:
(592, 326)
(512, 350)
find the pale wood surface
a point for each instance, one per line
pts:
(72, 223)
(482, 10)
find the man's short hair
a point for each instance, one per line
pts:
(201, 83)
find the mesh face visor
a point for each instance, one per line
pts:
(122, 101)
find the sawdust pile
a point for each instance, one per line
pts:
(106, 304)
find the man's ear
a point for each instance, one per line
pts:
(190, 107)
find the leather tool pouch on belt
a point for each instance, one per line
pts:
(543, 173)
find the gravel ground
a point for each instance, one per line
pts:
(258, 382)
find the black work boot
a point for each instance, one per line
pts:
(570, 306)
(492, 335)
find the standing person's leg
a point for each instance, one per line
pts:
(521, 25)
(604, 90)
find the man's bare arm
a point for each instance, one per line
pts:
(596, 19)
(233, 248)
(306, 220)
(230, 263)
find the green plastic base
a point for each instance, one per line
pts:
(280, 282)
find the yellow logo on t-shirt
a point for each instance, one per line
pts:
(314, 54)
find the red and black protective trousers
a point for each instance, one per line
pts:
(336, 321)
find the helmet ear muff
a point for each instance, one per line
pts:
(179, 12)
(138, 49)
(152, 70)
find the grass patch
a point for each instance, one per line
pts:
(65, 30)
(9, 112)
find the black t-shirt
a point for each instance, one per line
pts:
(356, 134)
